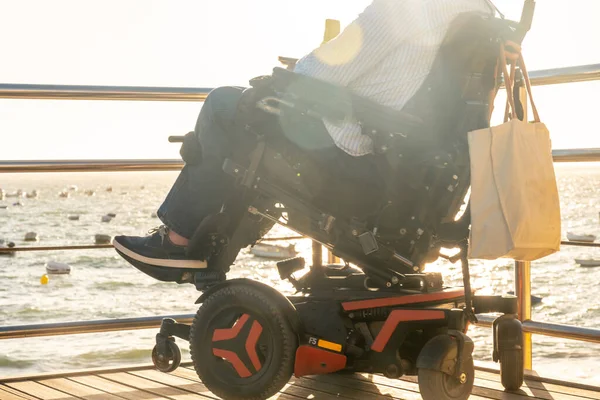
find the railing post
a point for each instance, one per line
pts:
(523, 268)
(523, 292)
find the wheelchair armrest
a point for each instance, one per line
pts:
(337, 103)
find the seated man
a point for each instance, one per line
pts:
(384, 55)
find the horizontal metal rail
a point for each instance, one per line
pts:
(89, 165)
(553, 76)
(52, 248)
(549, 329)
(110, 246)
(576, 155)
(106, 325)
(109, 325)
(267, 239)
(20, 166)
(581, 73)
(582, 244)
(84, 92)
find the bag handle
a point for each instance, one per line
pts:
(521, 61)
(515, 58)
(508, 85)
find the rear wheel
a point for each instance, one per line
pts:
(511, 369)
(242, 344)
(436, 385)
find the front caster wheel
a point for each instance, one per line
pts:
(436, 385)
(167, 362)
(511, 368)
(242, 344)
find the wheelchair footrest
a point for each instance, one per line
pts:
(208, 278)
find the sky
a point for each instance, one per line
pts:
(201, 43)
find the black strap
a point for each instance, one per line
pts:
(464, 261)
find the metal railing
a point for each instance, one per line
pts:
(66, 92)
(581, 73)
(79, 92)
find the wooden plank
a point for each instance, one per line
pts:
(397, 389)
(7, 393)
(174, 381)
(533, 376)
(184, 384)
(539, 393)
(342, 388)
(195, 386)
(410, 382)
(307, 388)
(165, 391)
(550, 387)
(85, 371)
(17, 392)
(76, 389)
(125, 392)
(533, 389)
(40, 391)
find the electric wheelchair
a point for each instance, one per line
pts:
(379, 312)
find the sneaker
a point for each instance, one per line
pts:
(156, 250)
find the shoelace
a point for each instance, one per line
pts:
(162, 231)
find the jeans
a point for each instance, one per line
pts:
(201, 189)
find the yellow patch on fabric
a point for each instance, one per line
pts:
(343, 49)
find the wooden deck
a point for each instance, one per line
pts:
(145, 383)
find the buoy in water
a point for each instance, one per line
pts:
(4, 245)
(31, 237)
(44, 279)
(102, 239)
(57, 268)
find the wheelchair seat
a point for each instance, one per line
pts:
(391, 229)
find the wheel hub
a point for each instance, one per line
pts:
(238, 345)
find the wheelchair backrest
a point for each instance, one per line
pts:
(429, 173)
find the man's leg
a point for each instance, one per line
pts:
(198, 191)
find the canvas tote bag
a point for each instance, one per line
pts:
(515, 211)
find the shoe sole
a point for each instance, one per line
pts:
(159, 262)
